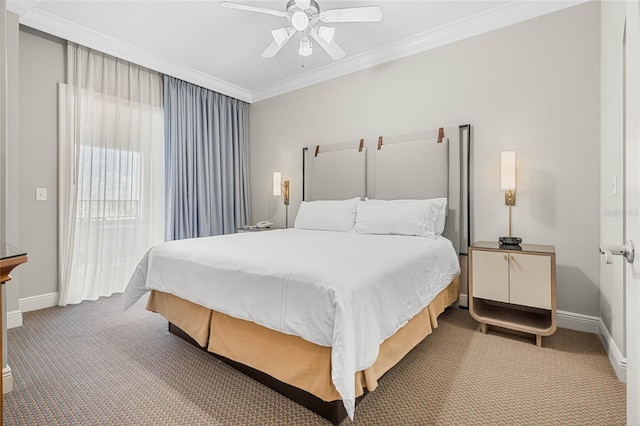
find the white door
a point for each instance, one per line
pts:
(632, 210)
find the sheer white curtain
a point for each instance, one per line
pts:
(110, 172)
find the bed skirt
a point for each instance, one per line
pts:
(289, 358)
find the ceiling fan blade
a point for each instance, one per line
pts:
(332, 48)
(354, 14)
(281, 35)
(274, 47)
(239, 6)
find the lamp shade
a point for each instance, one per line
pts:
(508, 170)
(277, 183)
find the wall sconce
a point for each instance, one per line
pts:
(282, 188)
(508, 180)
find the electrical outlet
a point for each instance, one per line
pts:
(41, 194)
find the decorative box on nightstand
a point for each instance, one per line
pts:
(513, 287)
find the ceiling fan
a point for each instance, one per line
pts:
(306, 18)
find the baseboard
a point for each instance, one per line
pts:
(14, 319)
(41, 301)
(7, 380)
(578, 322)
(618, 362)
(463, 300)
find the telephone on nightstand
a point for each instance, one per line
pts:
(264, 224)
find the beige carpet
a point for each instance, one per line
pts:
(91, 364)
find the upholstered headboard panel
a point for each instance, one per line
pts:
(414, 166)
(336, 173)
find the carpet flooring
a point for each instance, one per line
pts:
(91, 364)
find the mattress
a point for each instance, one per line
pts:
(288, 358)
(342, 290)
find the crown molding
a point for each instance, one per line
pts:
(21, 7)
(51, 24)
(508, 14)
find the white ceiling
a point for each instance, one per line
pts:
(219, 48)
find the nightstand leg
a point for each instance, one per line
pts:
(483, 328)
(538, 340)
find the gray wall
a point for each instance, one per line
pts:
(41, 68)
(3, 116)
(532, 87)
(8, 166)
(3, 156)
(12, 288)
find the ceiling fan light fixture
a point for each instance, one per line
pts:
(326, 33)
(305, 47)
(303, 4)
(305, 18)
(280, 35)
(300, 20)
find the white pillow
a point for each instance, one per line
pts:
(423, 218)
(327, 215)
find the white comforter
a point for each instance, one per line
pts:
(345, 290)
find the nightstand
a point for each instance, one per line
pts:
(254, 229)
(513, 287)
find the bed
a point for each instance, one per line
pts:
(323, 312)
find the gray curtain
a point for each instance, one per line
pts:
(206, 161)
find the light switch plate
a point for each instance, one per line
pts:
(41, 194)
